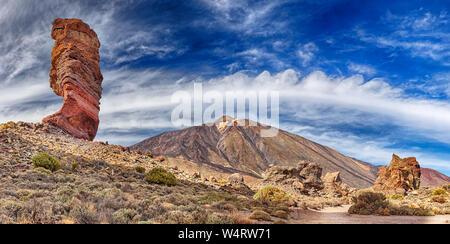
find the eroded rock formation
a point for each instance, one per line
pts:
(334, 186)
(75, 75)
(401, 176)
(304, 178)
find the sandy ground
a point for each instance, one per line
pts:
(339, 215)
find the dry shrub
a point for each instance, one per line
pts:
(240, 219)
(260, 215)
(439, 192)
(368, 203)
(439, 199)
(271, 194)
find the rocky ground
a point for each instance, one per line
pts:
(98, 183)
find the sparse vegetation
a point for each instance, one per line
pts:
(150, 155)
(271, 194)
(280, 214)
(439, 199)
(46, 161)
(140, 169)
(397, 197)
(260, 215)
(439, 192)
(9, 125)
(446, 187)
(161, 176)
(75, 166)
(368, 203)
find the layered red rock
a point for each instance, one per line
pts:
(75, 75)
(401, 176)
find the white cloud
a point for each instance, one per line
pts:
(362, 69)
(307, 52)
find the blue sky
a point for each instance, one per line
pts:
(367, 78)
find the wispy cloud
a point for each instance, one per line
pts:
(420, 33)
(307, 52)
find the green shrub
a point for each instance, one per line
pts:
(271, 194)
(397, 197)
(161, 176)
(150, 155)
(140, 169)
(46, 161)
(439, 192)
(368, 203)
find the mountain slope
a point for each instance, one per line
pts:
(431, 177)
(236, 148)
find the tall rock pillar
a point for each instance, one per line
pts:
(75, 75)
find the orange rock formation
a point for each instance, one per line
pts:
(75, 75)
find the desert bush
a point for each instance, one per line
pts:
(260, 215)
(125, 216)
(140, 169)
(42, 170)
(240, 219)
(150, 155)
(271, 194)
(213, 196)
(439, 199)
(84, 214)
(219, 219)
(280, 214)
(75, 166)
(409, 211)
(161, 176)
(397, 197)
(46, 161)
(9, 125)
(439, 192)
(446, 187)
(368, 202)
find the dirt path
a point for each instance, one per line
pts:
(339, 215)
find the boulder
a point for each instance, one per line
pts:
(401, 176)
(304, 178)
(334, 186)
(75, 75)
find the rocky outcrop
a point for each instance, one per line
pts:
(305, 178)
(334, 186)
(75, 75)
(401, 176)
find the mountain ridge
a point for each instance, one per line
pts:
(237, 148)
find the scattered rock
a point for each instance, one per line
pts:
(213, 179)
(160, 159)
(75, 75)
(401, 176)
